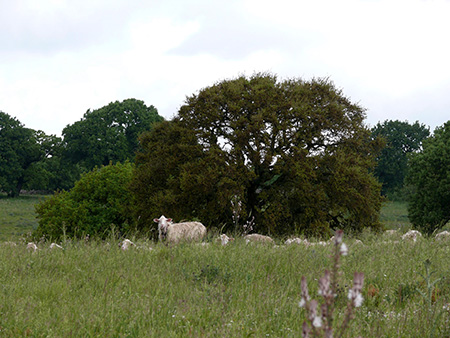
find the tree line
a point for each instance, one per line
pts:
(32, 160)
(288, 157)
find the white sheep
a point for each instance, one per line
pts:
(296, 240)
(412, 235)
(31, 246)
(55, 246)
(177, 232)
(443, 235)
(391, 232)
(224, 239)
(258, 238)
(126, 244)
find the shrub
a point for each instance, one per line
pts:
(99, 201)
(429, 177)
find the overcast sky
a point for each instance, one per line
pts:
(59, 58)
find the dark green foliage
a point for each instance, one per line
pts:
(31, 160)
(295, 154)
(108, 134)
(52, 172)
(19, 151)
(98, 201)
(401, 139)
(429, 207)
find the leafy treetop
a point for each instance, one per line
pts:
(108, 134)
(294, 156)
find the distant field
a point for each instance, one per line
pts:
(17, 216)
(394, 215)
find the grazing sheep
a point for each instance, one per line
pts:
(412, 235)
(391, 232)
(443, 235)
(258, 238)
(224, 239)
(296, 241)
(126, 244)
(321, 243)
(31, 246)
(55, 246)
(177, 232)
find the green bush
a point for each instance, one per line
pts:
(429, 177)
(99, 201)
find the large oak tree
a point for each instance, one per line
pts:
(292, 155)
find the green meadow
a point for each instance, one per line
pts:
(94, 289)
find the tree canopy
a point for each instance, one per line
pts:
(291, 156)
(429, 207)
(20, 148)
(401, 139)
(108, 134)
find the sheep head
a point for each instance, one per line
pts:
(163, 226)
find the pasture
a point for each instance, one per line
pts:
(94, 289)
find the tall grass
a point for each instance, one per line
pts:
(96, 290)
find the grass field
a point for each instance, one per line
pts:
(17, 216)
(93, 289)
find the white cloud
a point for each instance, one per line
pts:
(59, 58)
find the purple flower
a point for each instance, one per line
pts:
(324, 285)
(338, 237)
(305, 330)
(305, 295)
(354, 294)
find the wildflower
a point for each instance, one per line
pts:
(305, 330)
(305, 295)
(329, 333)
(313, 317)
(344, 249)
(338, 237)
(354, 294)
(324, 285)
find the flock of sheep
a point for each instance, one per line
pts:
(173, 233)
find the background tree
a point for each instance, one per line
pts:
(98, 201)
(108, 134)
(52, 171)
(295, 155)
(429, 207)
(19, 150)
(401, 139)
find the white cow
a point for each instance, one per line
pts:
(178, 232)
